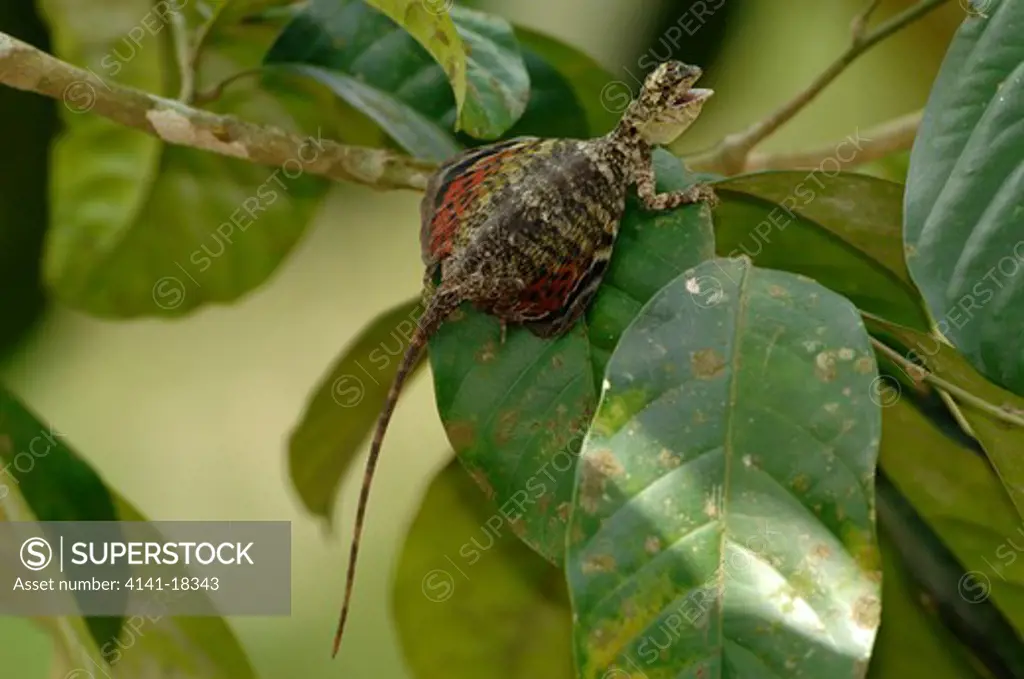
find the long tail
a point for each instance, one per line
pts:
(441, 306)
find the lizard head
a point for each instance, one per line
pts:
(668, 102)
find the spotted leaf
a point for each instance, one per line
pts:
(723, 515)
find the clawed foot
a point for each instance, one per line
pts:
(703, 193)
(698, 193)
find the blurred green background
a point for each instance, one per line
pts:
(189, 420)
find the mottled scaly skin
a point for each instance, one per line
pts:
(534, 246)
(523, 229)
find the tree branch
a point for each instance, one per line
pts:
(878, 142)
(731, 155)
(26, 68)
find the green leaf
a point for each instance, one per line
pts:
(76, 653)
(434, 29)
(515, 413)
(841, 230)
(553, 110)
(964, 187)
(345, 406)
(1001, 440)
(383, 71)
(912, 643)
(939, 579)
(147, 229)
(182, 646)
(472, 602)
(94, 196)
(587, 78)
(960, 497)
(723, 519)
(412, 131)
(231, 12)
(53, 483)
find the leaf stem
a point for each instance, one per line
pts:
(936, 381)
(24, 67)
(730, 156)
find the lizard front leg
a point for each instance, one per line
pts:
(652, 200)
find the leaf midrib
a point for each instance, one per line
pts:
(727, 450)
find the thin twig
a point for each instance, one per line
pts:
(958, 392)
(859, 25)
(731, 154)
(24, 67)
(215, 92)
(878, 142)
(185, 56)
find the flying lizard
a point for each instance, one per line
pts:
(523, 229)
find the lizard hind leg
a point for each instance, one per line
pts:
(429, 284)
(563, 320)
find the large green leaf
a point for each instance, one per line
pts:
(515, 413)
(416, 111)
(345, 406)
(912, 643)
(380, 69)
(723, 519)
(964, 243)
(844, 231)
(44, 479)
(942, 587)
(1001, 440)
(960, 497)
(150, 229)
(470, 600)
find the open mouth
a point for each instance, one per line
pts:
(696, 95)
